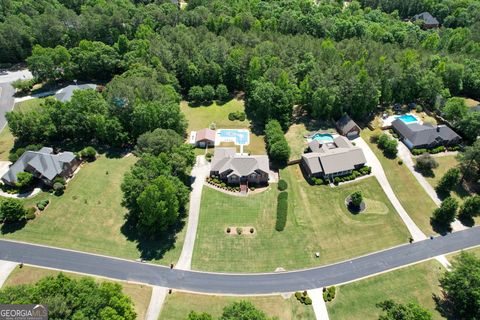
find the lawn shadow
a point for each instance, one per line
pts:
(444, 307)
(153, 249)
(12, 227)
(427, 173)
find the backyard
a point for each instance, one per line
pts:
(89, 217)
(416, 283)
(318, 221)
(409, 192)
(200, 117)
(178, 305)
(140, 294)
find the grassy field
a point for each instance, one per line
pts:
(28, 105)
(411, 284)
(409, 192)
(178, 305)
(202, 116)
(140, 294)
(89, 216)
(296, 140)
(318, 221)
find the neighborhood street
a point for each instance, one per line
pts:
(266, 283)
(7, 92)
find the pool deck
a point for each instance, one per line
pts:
(387, 122)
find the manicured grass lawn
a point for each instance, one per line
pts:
(409, 192)
(178, 305)
(89, 216)
(317, 221)
(202, 116)
(140, 294)
(28, 105)
(296, 140)
(416, 283)
(6, 143)
(471, 103)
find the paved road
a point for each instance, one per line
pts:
(267, 283)
(7, 92)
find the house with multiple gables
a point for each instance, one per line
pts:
(428, 21)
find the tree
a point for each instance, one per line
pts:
(195, 94)
(199, 316)
(242, 310)
(222, 92)
(388, 145)
(277, 146)
(23, 85)
(94, 60)
(470, 125)
(448, 182)
(149, 116)
(470, 207)
(208, 93)
(88, 153)
(426, 163)
(461, 288)
(24, 180)
(445, 215)
(455, 109)
(398, 311)
(49, 63)
(11, 210)
(356, 198)
(470, 162)
(158, 141)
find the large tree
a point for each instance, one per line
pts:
(397, 311)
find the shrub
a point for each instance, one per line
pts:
(11, 210)
(307, 301)
(337, 180)
(24, 180)
(388, 145)
(356, 198)
(30, 215)
(209, 156)
(400, 162)
(58, 188)
(42, 204)
(329, 294)
(23, 85)
(208, 93)
(88, 153)
(229, 230)
(298, 295)
(426, 163)
(282, 210)
(239, 231)
(231, 116)
(277, 146)
(238, 115)
(252, 230)
(419, 108)
(282, 185)
(222, 92)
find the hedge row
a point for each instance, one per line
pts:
(329, 293)
(355, 174)
(436, 150)
(237, 115)
(282, 210)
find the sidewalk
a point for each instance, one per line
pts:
(318, 304)
(6, 267)
(156, 303)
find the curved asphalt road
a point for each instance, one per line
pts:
(6, 102)
(267, 283)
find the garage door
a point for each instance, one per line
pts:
(352, 134)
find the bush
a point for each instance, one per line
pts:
(356, 198)
(400, 162)
(229, 230)
(23, 85)
(252, 230)
(298, 295)
(42, 204)
(208, 93)
(88, 153)
(24, 180)
(307, 301)
(11, 210)
(329, 294)
(30, 215)
(209, 156)
(388, 145)
(426, 163)
(282, 185)
(237, 115)
(222, 92)
(58, 188)
(337, 180)
(282, 210)
(419, 108)
(277, 146)
(239, 231)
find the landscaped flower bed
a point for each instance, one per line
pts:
(417, 152)
(363, 171)
(222, 185)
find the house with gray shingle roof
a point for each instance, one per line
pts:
(43, 164)
(332, 159)
(416, 135)
(429, 21)
(65, 94)
(234, 168)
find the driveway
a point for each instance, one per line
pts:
(239, 284)
(7, 92)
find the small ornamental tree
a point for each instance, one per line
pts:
(195, 94)
(470, 207)
(426, 163)
(222, 92)
(445, 215)
(356, 198)
(208, 93)
(88, 153)
(11, 210)
(282, 185)
(449, 180)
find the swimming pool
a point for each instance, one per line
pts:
(323, 137)
(408, 118)
(240, 137)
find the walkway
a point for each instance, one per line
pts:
(6, 267)
(318, 304)
(199, 173)
(156, 303)
(240, 284)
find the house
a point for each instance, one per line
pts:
(44, 165)
(429, 21)
(65, 94)
(205, 138)
(332, 159)
(234, 168)
(416, 135)
(347, 127)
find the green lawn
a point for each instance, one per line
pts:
(140, 294)
(178, 305)
(317, 221)
(202, 116)
(28, 105)
(416, 283)
(89, 216)
(296, 140)
(409, 192)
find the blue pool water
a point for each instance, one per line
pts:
(324, 137)
(407, 118)
(240, 136)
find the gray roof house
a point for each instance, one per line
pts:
(43, 164)
(65, 94)
(429, 21)
(347, 127)
(332, 159)
(239, 169)
(416, 135)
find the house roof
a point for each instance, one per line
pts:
(205, 134)
(426, 17)
(225, 159)
(46, 163)
(424, 134)
(334, 157)
(345, 124)
(65, 94)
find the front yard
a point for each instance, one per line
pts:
(409, 192)
(318, 221)
(178, 305)
(416, 283)
(89, 216)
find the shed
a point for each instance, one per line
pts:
(347, 127)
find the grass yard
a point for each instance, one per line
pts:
(296, 140)
(202, 116)
(317, 221)
(140, 294)
(178, 305)
(416, 283)
(27, 105)
(89, 216)
(409, 192)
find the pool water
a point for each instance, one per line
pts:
(324, 137)
(239, 136)
(407, 118)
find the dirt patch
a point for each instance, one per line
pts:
(240, 231)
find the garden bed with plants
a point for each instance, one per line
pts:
(222, 185)
(240, 231)
(440, 149)
(363, 171)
